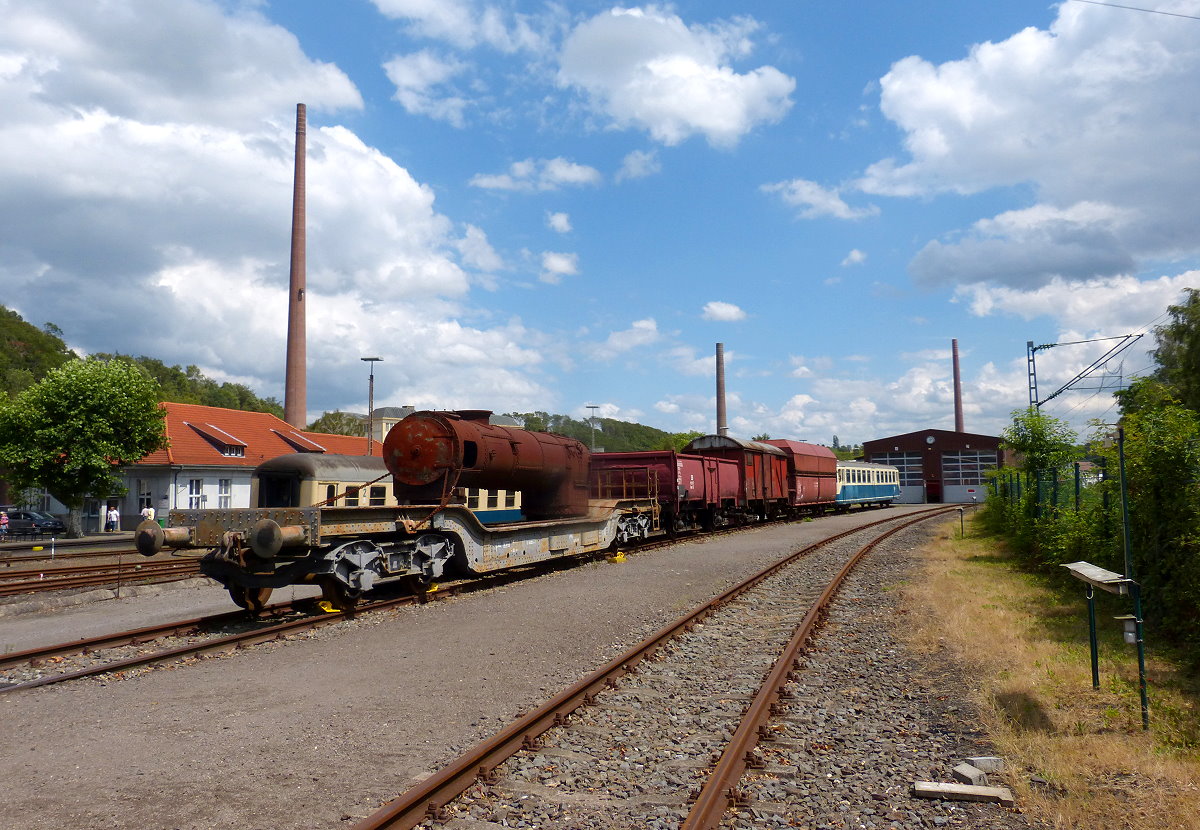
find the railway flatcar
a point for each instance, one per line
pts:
(863, 483)
(429, 533)
(457, 495)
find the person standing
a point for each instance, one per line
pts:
(3, 526)
(114, 520)
(147, 514)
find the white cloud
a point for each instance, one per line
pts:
(638, 164)
(722, 312)
(559, 222)
(646, 68)
(1118, 305)
(855, 257)
(466, 24)
(1096, 113)
(816, 201)
(539, 174)
(1025, 247)
(137, 172)
(555, 266)
(417, 77)
(477, 252)
(640, 333)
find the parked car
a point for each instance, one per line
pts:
(24, 521)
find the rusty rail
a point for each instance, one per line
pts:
(428, 798)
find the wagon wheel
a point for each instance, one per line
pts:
(252, 599)
(338, 595)
(420, 585)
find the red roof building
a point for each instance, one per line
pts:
(209, 459)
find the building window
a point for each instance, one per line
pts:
(967, 467)
(233, 451)
(908, 464)
(224, 492)
(144, 498)
(195, 493)
(352, 497)
(378, 496)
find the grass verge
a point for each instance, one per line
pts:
(1077, 756)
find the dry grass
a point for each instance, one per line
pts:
(1025, 644)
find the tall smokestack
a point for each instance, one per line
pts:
(958, 413)
(722, 422)
(295, 387)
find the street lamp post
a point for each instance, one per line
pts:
(371, 361)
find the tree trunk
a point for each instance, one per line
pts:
(74, 523)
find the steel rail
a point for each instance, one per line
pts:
(63, 552)
(719, 792)
(63, 578)
(151, 633)
(426, 800)
(139, 636)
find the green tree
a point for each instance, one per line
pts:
(26, 353)
(762, 436)
(1178, 352)
(339, 423)
(71, 432)
(1041, 441)
(190, 385)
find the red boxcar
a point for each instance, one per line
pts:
(694, 490)
(812, 472)
(764, 469)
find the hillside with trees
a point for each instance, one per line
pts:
(611, 435)
(27, 353)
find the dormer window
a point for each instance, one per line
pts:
(224, 443)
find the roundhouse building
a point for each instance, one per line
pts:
(938, 465)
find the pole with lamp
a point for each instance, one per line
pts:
(371, 361)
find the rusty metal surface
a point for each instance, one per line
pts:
(431, 453)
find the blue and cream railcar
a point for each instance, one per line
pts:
(865, 484)
(307, 479)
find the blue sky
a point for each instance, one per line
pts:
(527, 206)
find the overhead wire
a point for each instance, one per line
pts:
(1137, 9)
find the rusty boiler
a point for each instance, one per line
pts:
(430, 453)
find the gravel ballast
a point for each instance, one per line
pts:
(318, 730)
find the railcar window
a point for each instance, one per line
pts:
(352, 497)
(472, 499)
(331, 493)
(378, 496)
(493, 498)
(510, 498)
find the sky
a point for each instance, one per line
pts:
(548, 206)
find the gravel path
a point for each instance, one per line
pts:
(318, 730)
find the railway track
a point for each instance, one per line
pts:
(54, 577)
(127, 650)
(664, 731)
